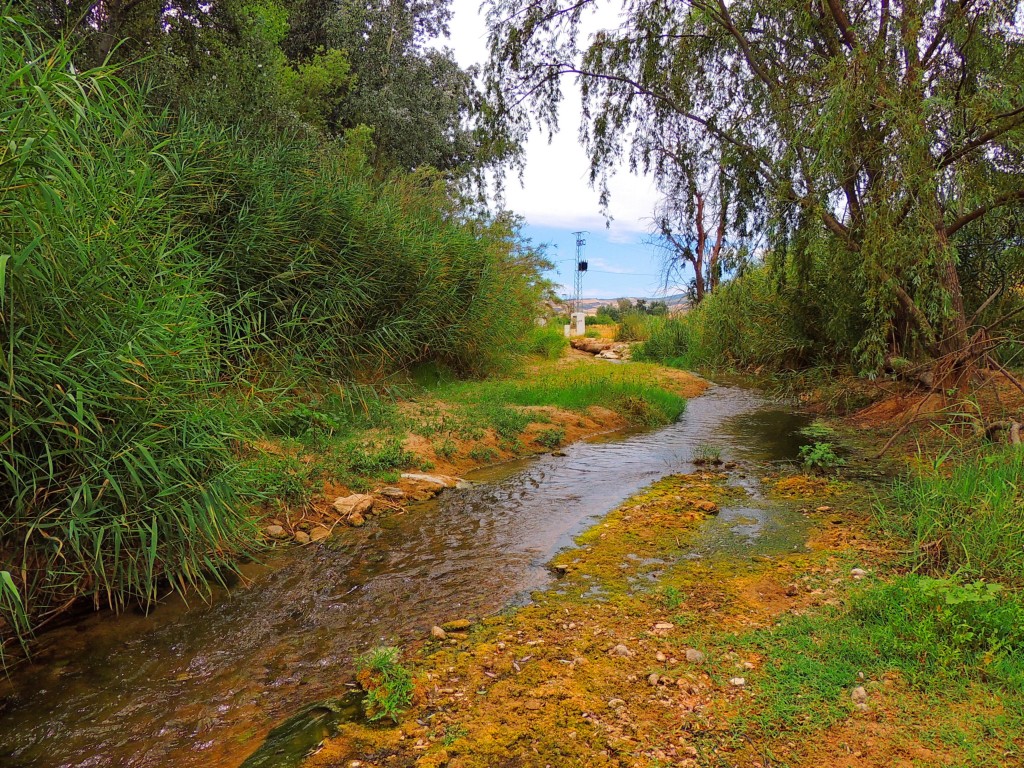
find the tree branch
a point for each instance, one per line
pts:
(980, 211)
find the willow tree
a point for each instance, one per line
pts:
(871, 135)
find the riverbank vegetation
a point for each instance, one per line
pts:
(170, 279)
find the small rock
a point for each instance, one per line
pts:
(730, 465)
(445, 481)
(792, 590)
(319, 533)
(458, 625)
(858, 573)
(301, 537)
(653, 678)
(437, 633)
(708, 507)
(621, 650)
(356, 504)
(859, 694)
(694, 656)
(355, 520)
(500, 646)
(392, 493)
(823, 509)
(275, 531)
(659, 656)
(616, 703)
(748, 665)
(664, 626)
(562, 455)
(738, 682)
(862, 706)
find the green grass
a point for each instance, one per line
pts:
(388, 684)
(941, 636)
(964, 517)
(547, 341)
(629, 392)
(550, 438)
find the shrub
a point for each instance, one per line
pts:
(550, 438)
(547, 341)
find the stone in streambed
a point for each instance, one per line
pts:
(319, 533)
(356, 504)
(355, 520)
(437, 633)
(275, 531)
(458, 625)
(301, 537)
(392, 493)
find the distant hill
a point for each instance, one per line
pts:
(676, 302)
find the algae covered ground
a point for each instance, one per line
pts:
(642, 654)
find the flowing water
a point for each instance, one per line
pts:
(202, 685)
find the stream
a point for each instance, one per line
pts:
(203, 684)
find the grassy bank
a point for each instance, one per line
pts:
(314, 448)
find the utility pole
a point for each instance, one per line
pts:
(581, 267)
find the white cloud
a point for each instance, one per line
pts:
(555, 190)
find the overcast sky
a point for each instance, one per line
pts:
(556, 198)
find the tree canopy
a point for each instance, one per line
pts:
(872, 140)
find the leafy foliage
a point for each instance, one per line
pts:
(871, 141)
(388, 685)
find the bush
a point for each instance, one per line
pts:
(669, 342)
(547, 341)
(634, 326)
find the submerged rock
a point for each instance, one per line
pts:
(319, 533)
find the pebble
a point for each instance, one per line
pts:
(858, 573)
(664, 626)
(356, 520)
(302, 537)
(748, 665)
(616, 703)
(319, 533)
(859, 694)
(458, 625)
(392, 493)
(437, 633)
(694, 656)
(738, 682)
(621, 650)
(653, 678)
(659, 656)
(275, 531)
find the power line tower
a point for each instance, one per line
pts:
(581, 267)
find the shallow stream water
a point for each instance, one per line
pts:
(202, 685)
